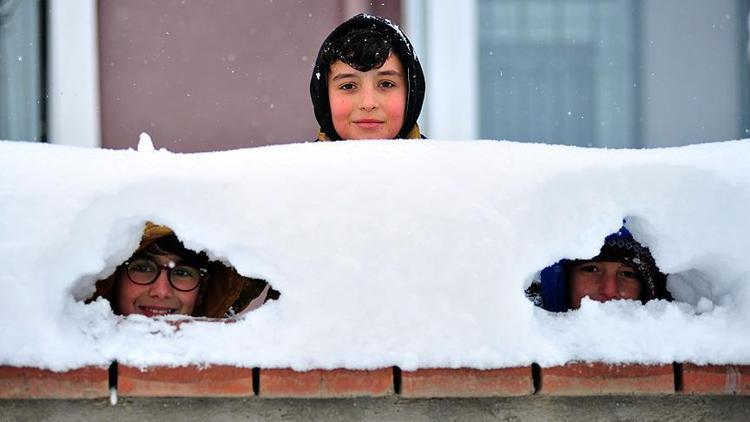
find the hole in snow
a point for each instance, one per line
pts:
(163, 277)
(623, 269)
(694, 287)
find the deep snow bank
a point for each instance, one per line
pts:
(386, 253)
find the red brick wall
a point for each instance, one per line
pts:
(225, 381)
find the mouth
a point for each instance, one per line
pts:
(152, 311)
(368, 123)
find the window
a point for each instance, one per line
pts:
(604, 73)
(22, 70)
(559, 71)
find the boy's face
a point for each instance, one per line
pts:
(367, 105)
(157, 298)
(602, 281)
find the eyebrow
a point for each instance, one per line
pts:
(178, 261)
(379, 73)
(389, 73)
(343, 76)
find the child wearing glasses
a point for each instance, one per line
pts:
(163, 277)
(367, 82)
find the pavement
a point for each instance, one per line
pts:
(682, 408)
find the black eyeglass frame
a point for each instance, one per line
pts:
(202, 273)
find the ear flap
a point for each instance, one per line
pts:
(228, 289)
(221, 290)
(554, 288)
(255, 292)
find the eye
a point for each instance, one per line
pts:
(348, 86)
(588, 268)
(142, 266)
(629, 274)
(387, 84)
(185, 272)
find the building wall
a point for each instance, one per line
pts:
(213, 74)
(691, 83)
(691, 72)
(207, 75)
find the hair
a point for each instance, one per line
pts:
(170, 244)
(363, 49)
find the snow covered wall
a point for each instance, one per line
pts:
(408, 253)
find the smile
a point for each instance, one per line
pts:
(368, 123)
(151, 311)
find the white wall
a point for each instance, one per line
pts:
(444, 34)
(690, 71)
(73, 106)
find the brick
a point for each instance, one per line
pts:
(466, 382)
(716, 379)
(185, 381)
(35, 383)
(325, 383)
(591, 379)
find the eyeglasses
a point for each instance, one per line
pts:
(144, 271)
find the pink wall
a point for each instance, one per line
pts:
(212, 74)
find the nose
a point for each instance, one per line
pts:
(368, 100)
(609, 288)
(161, 288)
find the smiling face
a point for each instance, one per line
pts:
(157, 298)
(367, 105)
(602, 281)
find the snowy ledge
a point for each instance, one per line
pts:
(408, 253)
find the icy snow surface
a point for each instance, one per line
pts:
(408, 253)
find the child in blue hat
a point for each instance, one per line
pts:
(623, 269)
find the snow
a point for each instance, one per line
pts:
(408, 253)
(145, 144)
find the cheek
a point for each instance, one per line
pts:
(395, 108)
(188, 300)
(126, 294)
(340, 106)
(632, 291)
(581, 285)
(341, 109)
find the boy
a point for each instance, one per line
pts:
(367, 82)
(624, 269)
